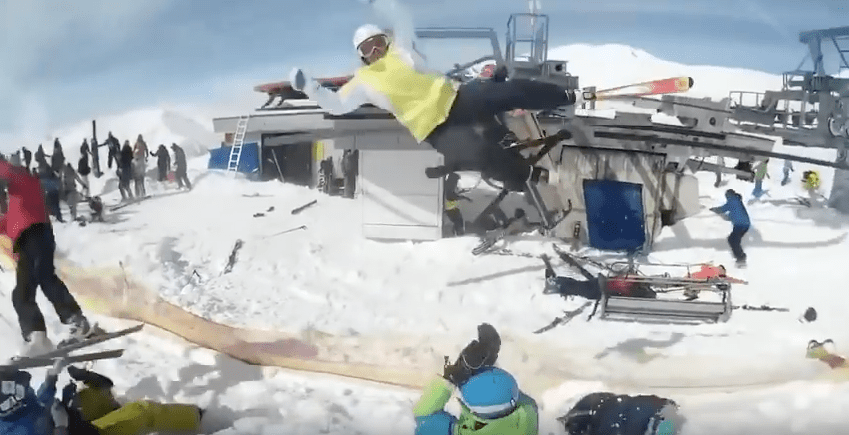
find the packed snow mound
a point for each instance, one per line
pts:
(611, 65)
(156, 125)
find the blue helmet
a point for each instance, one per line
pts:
(490, 394)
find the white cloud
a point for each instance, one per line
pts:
(32, 30)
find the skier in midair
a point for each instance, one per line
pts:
(491, 402)
(33, 246)
(458, 120)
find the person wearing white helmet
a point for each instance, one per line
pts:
(458, 120)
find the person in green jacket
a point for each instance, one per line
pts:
(760, 174)
(490, 399)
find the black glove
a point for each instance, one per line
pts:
(90, 378)
(68, 394)
(477, 355)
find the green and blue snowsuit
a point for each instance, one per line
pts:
(432, 419)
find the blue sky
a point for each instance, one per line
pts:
(70, 61)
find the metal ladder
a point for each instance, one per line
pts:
(238, 141)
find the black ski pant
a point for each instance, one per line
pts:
(470, 138)
(589, 289)
(182, 178)
(735, 239)
(162, 172)
(113, 155)
(456, 218)
(35, 248)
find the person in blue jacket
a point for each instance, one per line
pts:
(613, 414)
(736, 213)
(24, 411)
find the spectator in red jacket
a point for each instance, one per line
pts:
(33, 245)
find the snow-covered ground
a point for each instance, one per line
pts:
(328, 278)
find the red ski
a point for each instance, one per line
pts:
(654, 87)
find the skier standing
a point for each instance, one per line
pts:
(609, 414)
(84, 169)
(180, 169)
(490, 400)
(163, 162)
(736, 211)
(720, 161)
(124, 165)
(760, 174)
(57, 160)
(139, 166)
(452, 204)
(788, 167)
(69, 189)
(458, 120)
(811, 184)
(27, 157)
(33, 243)
(113, 147)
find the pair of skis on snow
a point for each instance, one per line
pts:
(64, 351)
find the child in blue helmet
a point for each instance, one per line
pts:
(612, 414)
(490, 400)
(24, 411)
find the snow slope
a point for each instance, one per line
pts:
(327, 278)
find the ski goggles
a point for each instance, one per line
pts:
(367, 47)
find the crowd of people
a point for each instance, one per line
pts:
(63, 182)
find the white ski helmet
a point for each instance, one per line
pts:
(364, 32)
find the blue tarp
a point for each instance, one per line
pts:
(219, 158)
(615, 218)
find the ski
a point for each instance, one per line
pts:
(653, 87)
(41, 361)
(565, 318)
(63, 350)
(130, 202)
(487, 243)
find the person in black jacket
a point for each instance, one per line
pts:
(41, 161)
(27, 157)
(83, 169)
(163, 162)
(125, 170)
(114, 148)
(452, 203)
(57, 160)
(613, 414)
(180, 173)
